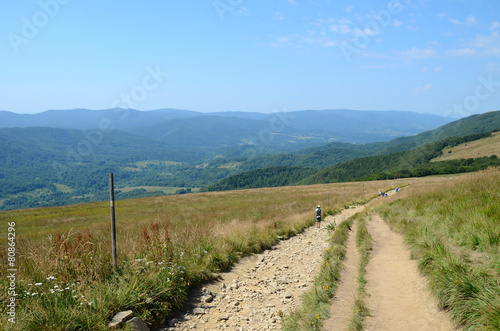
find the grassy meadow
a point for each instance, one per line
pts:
(166, 246)
(453, 230)
(473, 149)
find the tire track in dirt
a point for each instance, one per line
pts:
(398, 295)
(343, 302)
(260, 288)
(341, 310)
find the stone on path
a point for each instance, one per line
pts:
(119, 318)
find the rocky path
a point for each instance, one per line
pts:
(262, 287)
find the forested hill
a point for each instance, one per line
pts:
(42, 166)
(333, 153)
(221, 129)
(479, 123)
(402, 157)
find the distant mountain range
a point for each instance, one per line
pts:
(401, 157)
(279, 131)
(65, 156)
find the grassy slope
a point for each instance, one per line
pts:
(454, 233)
(206, 233)
(344, 162)
(474, 149)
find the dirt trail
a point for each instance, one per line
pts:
(399, 298)
(261, 287)
(343, 302)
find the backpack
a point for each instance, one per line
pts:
(318, 213)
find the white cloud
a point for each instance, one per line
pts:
(495, 25)
(461, 52)
(489, 44)
(349, 9)
(278, 16)
(366, 32)
(438, 69)
(240, 12)
(422, 89)
(293, 2)
(283, 41)
(340, 28)
(396, 22)
(320, 39)
(470, 20)
(419, 53)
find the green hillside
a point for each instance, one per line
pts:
(333, 153)
(413, 163)
(487, 146)
(464, 127)
(50, 166)
(401, 157)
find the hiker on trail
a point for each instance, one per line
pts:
(379, 193)
(318, 216)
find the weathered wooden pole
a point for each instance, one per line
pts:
(113, 226)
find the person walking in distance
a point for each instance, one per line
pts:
(318, 216)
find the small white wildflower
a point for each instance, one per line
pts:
(75, 296)
(28, 293)
(90, 303)
(51, 277)
(30, 284)
(52, 291)
(67, 288)
(32, 294)
(56, 286)
(38, 284)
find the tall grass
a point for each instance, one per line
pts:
(166, 246)
(453, 230)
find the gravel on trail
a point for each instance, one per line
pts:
(261, 287)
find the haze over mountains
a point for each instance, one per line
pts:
(184, 127)
(64, 156)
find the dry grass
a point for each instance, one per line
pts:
(207, 232)
(474, 149)
(453, 230)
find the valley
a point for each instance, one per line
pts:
(46, 166)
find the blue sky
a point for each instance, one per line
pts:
(440, 57)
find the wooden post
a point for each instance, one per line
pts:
(113, 227)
